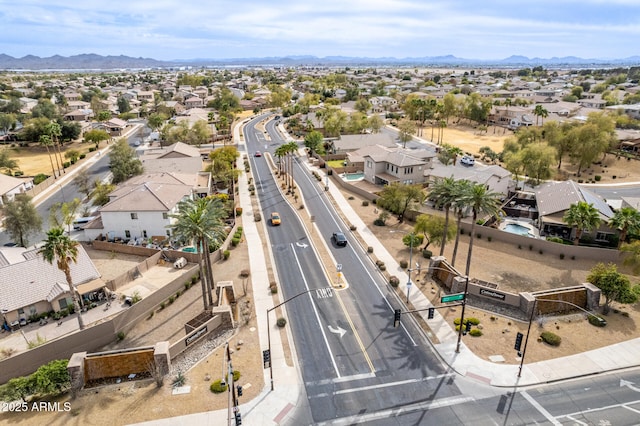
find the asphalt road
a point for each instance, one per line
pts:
(370, 373)
(67, 191)
(352, 358)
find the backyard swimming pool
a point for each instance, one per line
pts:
(353, 176)
(519, 228)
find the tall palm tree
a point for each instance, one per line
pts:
(583, 216)
(54, 131)
(444, 194)
(540, 111)
(482, 201)
(289, 149)
(201, 221)
(460, 207)
(627, 219)
(45, 140)
(63, 250)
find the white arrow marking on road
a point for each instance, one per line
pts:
(338, 330)
(303, 245)
(629, 385)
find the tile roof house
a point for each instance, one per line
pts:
(496, 178)
(140, 211)
(177, 158)
(10, 186)
(384, 165)
(31, 285)
(555, 198)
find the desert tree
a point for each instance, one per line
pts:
(21, 219)
(615, 286)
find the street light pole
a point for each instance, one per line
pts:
(410, 264)
(464, 304)
(524, 351)
(535, 301)
(269, 328)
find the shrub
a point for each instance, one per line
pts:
(379, 222)
(39, 178)
(235, 241)
(236, 375)
(394, 281)
(596, 320)
(472, 320)
(370, 249)
(274, 289)
(551, 338)
(226, 254)
(66, 164)
(365, 203)
(82, 156)
(353, 227)
(195, 278)
(238, 211)
(404, 264)
(218, 387)
(382, 267)
(281, 322)
(597, 178)
(479, 236)
(475, 332)
(489, 238)
(427, 254)
(257, 217)
(561, 256)
(91, 149)
(121, 336)
(171, 299)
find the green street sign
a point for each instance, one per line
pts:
(452, 298)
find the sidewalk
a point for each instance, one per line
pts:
(466, 363)
(287, 403)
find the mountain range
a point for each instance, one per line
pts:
(97, 62)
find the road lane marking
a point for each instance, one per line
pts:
(315, 311)
(323, 293)
(366, 269)
(540, 408)
(396, 412)
(369, 387)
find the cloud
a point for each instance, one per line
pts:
(168, 29)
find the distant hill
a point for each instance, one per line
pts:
(83, 61)
(92, 61)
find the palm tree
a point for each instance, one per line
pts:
(54, 131)
(460, 207)
(540, 111)
(201, 221)
(289, 148)
(627, 219)
(45, 140)
(63, 250)
(482, 201)
(444, 194)
(583, 216)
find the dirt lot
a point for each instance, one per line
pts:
(34, 159)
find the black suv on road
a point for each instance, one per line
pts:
(339, 238)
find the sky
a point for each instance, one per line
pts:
(224, 29)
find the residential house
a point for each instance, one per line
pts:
(555, 198)
(384, 165)
(33, 286)
(194, 102)
(11, 186)
(115, 126)
(494, 177)
(139, 212)
(176, 158)
(349, 143)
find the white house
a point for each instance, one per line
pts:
(11, 186)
